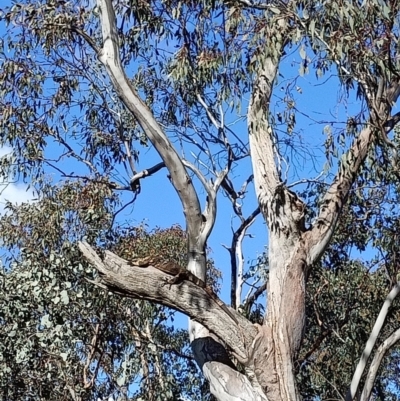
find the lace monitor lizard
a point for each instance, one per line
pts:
(180, 274)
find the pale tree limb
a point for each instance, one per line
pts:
(135, 180)
(152, 284)
(235, 249)
(233, 195)
(376, 362)
(110, 58)
(337, 194)
(210, 114)
(284, 213)
(243, 390)
(335, 197)
(129, 154)
(207, 312)
(210, 212)
(266, 175)
(237, 258)
(380, 102)
(371, 342)
(239, 272)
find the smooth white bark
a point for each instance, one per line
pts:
(376, 362)
(110, 58)
(371, 343)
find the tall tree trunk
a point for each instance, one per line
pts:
(281, 335)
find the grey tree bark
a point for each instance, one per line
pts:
(268, 351)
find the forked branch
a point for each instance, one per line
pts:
(336, 196)
(110, 57)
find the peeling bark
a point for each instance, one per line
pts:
(152, 284)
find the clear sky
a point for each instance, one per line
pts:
(158, 204)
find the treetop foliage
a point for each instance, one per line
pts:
(199, 67)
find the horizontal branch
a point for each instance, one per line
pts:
(149, 283)
(135, 180)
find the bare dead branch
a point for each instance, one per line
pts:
(243, 189)
(134, 182)
(210, 114)
(85, 36)
(72, 153)
(127, 148)
(227, 185)
(235, 254)
(253, 297)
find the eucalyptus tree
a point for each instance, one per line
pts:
(97, 81)
(63, 338)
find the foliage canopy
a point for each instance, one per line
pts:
(95, 100)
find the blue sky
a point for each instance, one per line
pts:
(319, 104)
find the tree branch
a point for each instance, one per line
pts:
(235, 253)
(109, 56)
(151, 284)
(253, 297)
(336, 195)
(134, 182)
(376, 362)
(371, 342)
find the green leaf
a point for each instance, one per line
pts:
(45, 321)
(64, 297)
